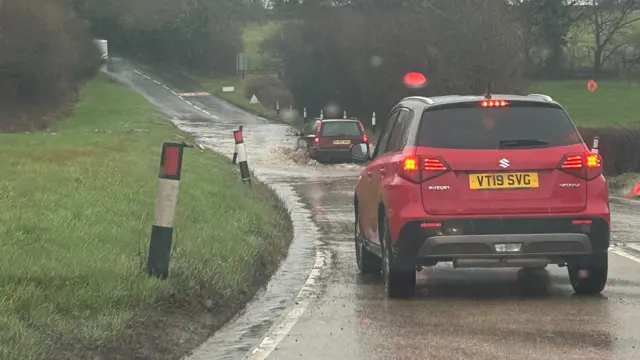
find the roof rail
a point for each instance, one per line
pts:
(421, 98)
(546, 97)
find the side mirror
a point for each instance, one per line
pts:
(360, 152)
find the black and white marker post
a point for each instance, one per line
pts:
(304, 114)
(596, 143)
(242, 157)
(235, 149)
(373, 122)
(168, 187)
(344, 114)
(277, 107)
(321, 114)
(162, 231)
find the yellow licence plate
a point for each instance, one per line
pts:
(503, 181)
(342, 142)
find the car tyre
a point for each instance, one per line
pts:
(368, 263)
(597, 267)
(399, 282)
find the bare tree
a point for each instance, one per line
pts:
(607, 18)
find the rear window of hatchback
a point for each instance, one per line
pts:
(470, 126)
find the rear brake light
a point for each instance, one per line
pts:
(316, 139)
(418, 169)
(410, 164)
(433, 164)
(587, 166)
(364, 135)
(494, 103)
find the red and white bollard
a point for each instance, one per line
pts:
(245, 175)
(167, 199)
(235, 149)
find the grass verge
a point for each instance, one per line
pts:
(614, 103)
(621, 184)
(77, 208)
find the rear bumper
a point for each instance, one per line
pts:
(551, 237)
(485, 245)
(331, 155)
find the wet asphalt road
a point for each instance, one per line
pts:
(456, 314)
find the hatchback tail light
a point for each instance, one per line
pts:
(586, 166)
(316, 140)
(365, 138)
(418, 169)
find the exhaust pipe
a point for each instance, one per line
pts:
(500, 262)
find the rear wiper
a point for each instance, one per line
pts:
(520, 143)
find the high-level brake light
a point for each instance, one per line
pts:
(494, 103)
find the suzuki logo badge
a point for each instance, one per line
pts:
(504, 163)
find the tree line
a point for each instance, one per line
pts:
(355, 52)
(47, 49)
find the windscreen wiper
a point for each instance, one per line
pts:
(522, 143)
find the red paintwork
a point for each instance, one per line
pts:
(406, 201)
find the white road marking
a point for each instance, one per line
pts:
(279, 331)
(181, 96)
(626, 255)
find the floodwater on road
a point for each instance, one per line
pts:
(456, 314)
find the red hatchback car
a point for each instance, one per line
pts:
(330, 140)
(481, 181)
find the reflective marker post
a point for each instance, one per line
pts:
(344, 114)
(245, 175)
(235, 149)
(596, 142)
(304, 114)
(166, 201)
(373, 122)
(321, 114)
(162, 231)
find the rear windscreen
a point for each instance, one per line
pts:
(341, 128)
(473, 127)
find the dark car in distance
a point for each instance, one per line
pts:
(330, 140)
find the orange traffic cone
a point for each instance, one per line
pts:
(635, 192)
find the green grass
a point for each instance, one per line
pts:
(77, 208)
(614, 103)
(238, 97)
(253, 36)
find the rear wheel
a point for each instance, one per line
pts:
(368, 263)
(399, 279)
(590, 276)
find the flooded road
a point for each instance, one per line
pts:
(338, 314)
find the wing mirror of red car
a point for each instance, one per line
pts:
(360, 152)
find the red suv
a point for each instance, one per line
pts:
(481, 181)
(330, 140)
